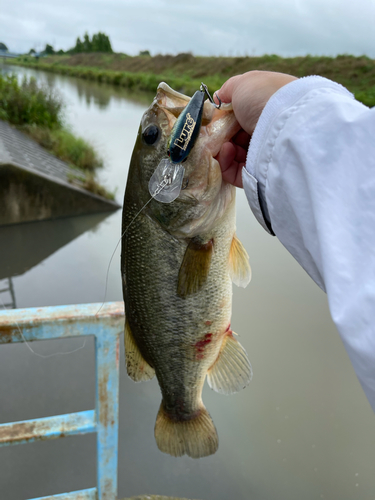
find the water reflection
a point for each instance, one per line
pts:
(93, 95)
(100, 94)
(27, 245)
(89, 92)
(7, 289)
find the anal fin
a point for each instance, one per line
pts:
(138, 369)
(195, 267)
(239, 267)
(232, 371)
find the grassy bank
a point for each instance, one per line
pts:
(184, 72)
(37, 111)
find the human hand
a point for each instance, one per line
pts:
(248, 93)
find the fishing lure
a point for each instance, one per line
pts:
(166, 182)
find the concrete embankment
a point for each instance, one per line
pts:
(35, 185)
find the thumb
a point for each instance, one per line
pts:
(226, 91)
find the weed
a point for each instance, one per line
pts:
(37, 111)
(66, 146)
(28, 103)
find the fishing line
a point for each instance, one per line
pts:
(165, 183)
(160, 187)
(36, 353)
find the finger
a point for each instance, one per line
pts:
(226, 91)
(238, 180)
(226, 156)
(230, 168)
(241, 154)
(233, 175)
(230, 153)
(242, 139)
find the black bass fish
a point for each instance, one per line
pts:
(178, 262)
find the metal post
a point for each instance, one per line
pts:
(107, 349)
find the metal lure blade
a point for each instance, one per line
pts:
(166, 182)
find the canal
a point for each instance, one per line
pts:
(303, 429)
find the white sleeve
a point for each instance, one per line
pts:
(310, 179)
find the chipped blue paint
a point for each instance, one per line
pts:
(89, 494)
(39, 429)
(17, 325)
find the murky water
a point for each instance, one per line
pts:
(302, 430)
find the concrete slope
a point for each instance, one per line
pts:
(34, 185)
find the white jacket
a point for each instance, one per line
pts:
(310, 179)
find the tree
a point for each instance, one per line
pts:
(87, 46)
(79, 46)
(49, 50)
(99, 43)
(3, 47)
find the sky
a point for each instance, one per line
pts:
(206, 27)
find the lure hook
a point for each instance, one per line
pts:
(204, 89)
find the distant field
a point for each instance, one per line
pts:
(184, 72)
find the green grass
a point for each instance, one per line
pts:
(38, 112)
(66, 146)
(184, 72)
(27, 103)
(147, 82)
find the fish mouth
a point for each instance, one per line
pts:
(202, 176)
(175, 95)
(218, 125)
(171, 93)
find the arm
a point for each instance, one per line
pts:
(310, 179)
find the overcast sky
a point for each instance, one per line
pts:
(206, 27)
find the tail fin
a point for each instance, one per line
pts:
(196, 437)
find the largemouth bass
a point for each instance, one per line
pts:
(178, 262)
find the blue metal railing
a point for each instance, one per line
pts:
(74, 321)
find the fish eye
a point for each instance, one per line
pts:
(150, 134)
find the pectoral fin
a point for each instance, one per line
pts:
(195, 267)
(239, 267)
(138, 369)
(232, 371)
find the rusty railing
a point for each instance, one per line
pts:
(74, 321)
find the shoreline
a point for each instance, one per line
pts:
(185, 72)
(143, 82)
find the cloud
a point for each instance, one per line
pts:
(238, 27)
